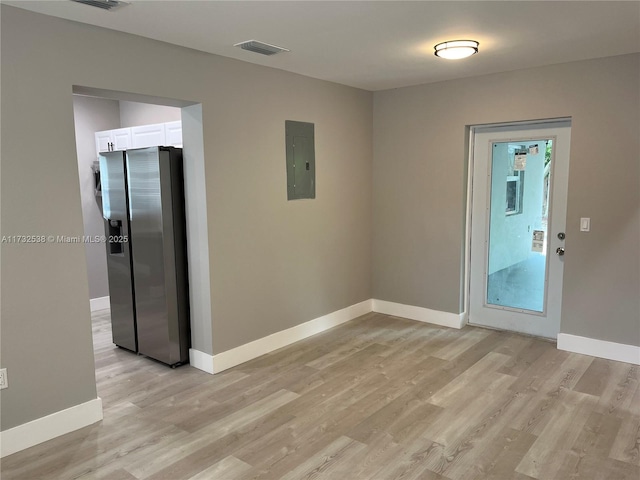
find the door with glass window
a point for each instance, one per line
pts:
(518, 216)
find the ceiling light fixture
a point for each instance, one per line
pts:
(455, 49)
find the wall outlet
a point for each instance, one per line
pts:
(4, 382)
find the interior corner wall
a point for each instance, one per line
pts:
(273, 263)
(133, 114)
(93, 115)
(419, 186)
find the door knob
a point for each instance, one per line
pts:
(560, 251)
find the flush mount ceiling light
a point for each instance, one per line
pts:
(455, 49)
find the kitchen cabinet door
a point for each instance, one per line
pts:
(121, 138)
(103, 141)
(173, 134)
(148, 136)
(112, 140)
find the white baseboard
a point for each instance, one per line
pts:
(249, 351)
(599, 348)
(445, 319)
(99, 303)
(45, 428)
(201, 361)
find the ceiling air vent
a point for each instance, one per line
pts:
(260, 47)
(103, 4)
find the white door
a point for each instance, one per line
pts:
(518, 217)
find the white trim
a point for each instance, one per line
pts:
(467, 227)
(195, 201)
(99, 303)
(599, 348)
(548, 324)
(446, 319)
(248, 351)
(42, 429)
(201, 361)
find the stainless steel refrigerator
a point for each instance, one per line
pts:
(143, 209)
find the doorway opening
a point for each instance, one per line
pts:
(98, 110)
(516, 216)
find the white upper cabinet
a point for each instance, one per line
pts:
(121, 138)
(173, 133)
(156, 135)
(148, 136)
(112, 140)
(104, 141)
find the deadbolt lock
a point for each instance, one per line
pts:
(561, 235)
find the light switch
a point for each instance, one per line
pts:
(585, 224)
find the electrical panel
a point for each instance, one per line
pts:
(301, 160)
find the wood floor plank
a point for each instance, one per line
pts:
(464, 431)
(522, 358)
(594, 440)
(534, 377)
(546, 455)
(324, 464)
(460, 388)
(228, 467)
(490, 344)
(235, 421)
(208, 453)
(308, 433)
(338, 376)
(621, 395)
(410, 463)
(119, 474)
(546, 392)
(593, 468)
(626, 445)
(395, 417)
(380, 450)
(498, 459)
(377, 398)
(461, 344)
(594, 379)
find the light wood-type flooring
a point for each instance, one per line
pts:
(377, 398)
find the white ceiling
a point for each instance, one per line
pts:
(378, 45)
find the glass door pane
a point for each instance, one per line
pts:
(517, 237)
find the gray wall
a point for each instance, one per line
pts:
(93, 115)
(419, 186)
(274, 264)
(133, 114)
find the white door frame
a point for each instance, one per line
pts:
(525, 124)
